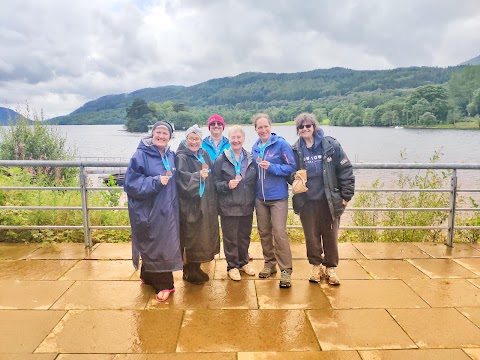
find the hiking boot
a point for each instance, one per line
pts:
(285, 279)
(331, 276)
(318, 272)
(200, 272)
(192, 276)
(248, 269)
(234, 274)
(267, 272)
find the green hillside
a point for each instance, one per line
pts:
(252, 92)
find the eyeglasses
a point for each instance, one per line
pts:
(216, 124)
(300, 127)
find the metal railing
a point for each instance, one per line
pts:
(86, 167)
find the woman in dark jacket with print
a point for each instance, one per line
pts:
(153, 210)
(235, 178)
(199, 233)
(330, 183)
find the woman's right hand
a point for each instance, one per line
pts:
(204, 173)
(164, 180)
(232, 184)
(296, 176)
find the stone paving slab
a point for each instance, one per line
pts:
(391, 251)
(107, 331)
(442, 269)
(35, 295)
(391, 269)
(446, 292)
(437, 250)
(438, 328)
(16, 251)
(435, 354)
(100, 270)
(246, 330)
(358, 330)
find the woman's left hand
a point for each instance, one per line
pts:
(264, 164)
(344, 202)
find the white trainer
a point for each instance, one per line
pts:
(234, 274)
(248, 269)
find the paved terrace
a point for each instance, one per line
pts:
(396, 301)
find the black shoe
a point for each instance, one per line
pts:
(202, 273)
(192, 276)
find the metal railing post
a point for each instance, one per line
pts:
(452, 205)
(86, 217)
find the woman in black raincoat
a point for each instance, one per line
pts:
(153, 208)
(199, 232)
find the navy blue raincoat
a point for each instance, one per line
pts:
(153, 209)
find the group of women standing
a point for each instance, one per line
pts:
(174, 201)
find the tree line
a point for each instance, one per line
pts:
(399, 97)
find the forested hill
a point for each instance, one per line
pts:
(7, 116)
(263, 90)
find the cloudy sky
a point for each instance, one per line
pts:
(57, 54)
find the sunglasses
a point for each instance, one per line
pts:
(300, 127)
(216, 124)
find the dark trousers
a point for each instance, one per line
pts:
(158, 280)
(236, 239)
(321, 233)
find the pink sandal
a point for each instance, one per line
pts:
(163, 292)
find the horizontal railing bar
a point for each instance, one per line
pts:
(119, 227)
(467, 227)
(41, 227)
(402, 190)
(40, 208)
(395, 209)
(394, 227)
(108, 188)
(38, 188)
(107, 208)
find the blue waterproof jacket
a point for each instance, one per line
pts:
(272, 183)
(153, 210)
(207, 144)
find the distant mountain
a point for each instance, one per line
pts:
(7, 115)
(262, 90)
(474, 61)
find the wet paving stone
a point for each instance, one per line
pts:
(390, 251)
(442, 269)
(458, 250)
(472, 264)
(439, 328)
(349, 251)
(473, 353)
(246, 330)
(168, 356)
(35, 295)
(16, 251)
(21, 331)
(361, 329)
(114, 331)
(105, 295)
(111, 251)
(391, 269)
(310, 355)
(418, 354)
(214, 294)
(28, 356)
(446, 292)
(34, 269)
(369, 294)
(302, 295)
(472, 313)
(58, 251)
(100, 270)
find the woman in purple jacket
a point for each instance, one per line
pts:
(154, 211)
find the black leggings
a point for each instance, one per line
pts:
(158, 280)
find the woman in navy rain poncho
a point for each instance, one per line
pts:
(153, 208)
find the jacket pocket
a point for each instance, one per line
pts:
(337, 200)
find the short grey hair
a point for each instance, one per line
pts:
(236, 128)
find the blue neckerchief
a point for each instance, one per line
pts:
(262, 147)
(166, 163)
(202, 161)
(237, 164)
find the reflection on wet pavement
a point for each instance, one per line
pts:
(395, 301)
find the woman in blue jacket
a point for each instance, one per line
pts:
(215, 143)
(154, 211)
(275, 161)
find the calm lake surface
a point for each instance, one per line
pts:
(362, 144)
